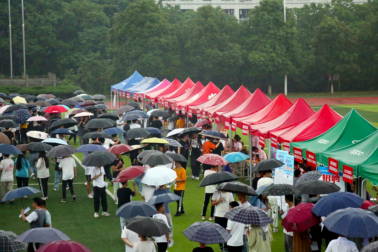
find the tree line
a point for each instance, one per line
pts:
(97, 43)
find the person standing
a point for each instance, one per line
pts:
(209, 191)
(288, 235)
(163, 190)
(260, 239)
(43, 173)
(261, 153)
(57, 173)
(236, 229)
(22, 170)
(88, 173)
(195, 148)
(180, 123)
(302, 242)
(99, 190)
(156, 123)
(6, 168)
(129, 238)
(207, 148)
(48, 222)
(69, 172)
(162, 241)
(180, 183)
(144, 245)
(33, 156)
(242, 197)
(184, 150)
(124, 195)
(117, 167)
(341, 244)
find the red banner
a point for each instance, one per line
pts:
(333, 166)
(166, 104)
(177, 111)
(198, 111)
(262, 141)
(245, 129)
(226, 125)
(217, 119)
(348, 174)
(153, 102)
(190, 112)
(173, 106)
(286, 146)
(297, 153)
(273, 141)
(311, 159)
(233, 126)
(127, 95)
(183, 111)
(120, 94)
(331, 178)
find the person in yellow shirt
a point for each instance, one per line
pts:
(180, 123)
(180, 187)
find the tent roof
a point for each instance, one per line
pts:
(203, 96)
(145, 84)
(231, 103)
(271, 111)
(185, 87)
(296, 114)
(128, 83)
(175, 84)
(353, 127)
(369, 171)
(315, 125)
(219, 98)
(254, 103)
(159, 86)
(191, 92)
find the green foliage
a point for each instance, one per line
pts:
(63, 90)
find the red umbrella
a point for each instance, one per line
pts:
(120, 148)
(88, 103)
(63, 246)
(300, 218)
(55, 109)
(365, 204)
(201, 123)
(212, 159)
(130, 173)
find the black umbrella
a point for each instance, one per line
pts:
(77, 98)
(157, 158)
(8, 117)
(69, 102)
(100, 102)
(135, 208)
(236, 187)
(137, 133)
(13, 95)
(146, 226)
(66, 123)
(90, 107)
(53, 101)
(109, 116)
(30, 106)
(15, 107)
(99, 97)
(101, 106)
(160, 113)
(80, 91)
(95, 135)
(316, 187)
(217, 178)
(2, 95)
(177, 157)
(41, 98)
(268, 164)
(99, 158)
(61, 151)
(39, 147)
(313, 200)
(190, 131)
(146, 153)
(124, 109)
(7, 123)
(213, 134)
(280, 190)
(99, 123)
(133, 104)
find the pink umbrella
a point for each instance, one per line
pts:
(37, 119)
(2, 109)
(201, 123)
(63, 246)
(130, 173)
(120, 148)
(212, 159)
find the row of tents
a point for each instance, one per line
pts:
(345, 144)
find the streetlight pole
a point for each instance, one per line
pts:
(285, 81)
(10, 40)
(23, 36)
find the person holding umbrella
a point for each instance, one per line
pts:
(180, 183)
(209, 191)
(99, 188)
(195, 148)
(43, 173)
(22, 173)
(6, 168)
(236, 229)
(117, 167)
(69, 172)
(124, 195)
(162, 241)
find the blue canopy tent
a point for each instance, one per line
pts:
(128, 83)
(145, 84)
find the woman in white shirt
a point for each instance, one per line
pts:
(236, 229)
(43, 173)
(129, 238)
(144, 245)
(209, 191)
(162, 241)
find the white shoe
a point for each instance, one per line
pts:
(197, 178)
(43, 198)
(105, 214)
(32, 175)
(96, 215)
(85, 183)
(193, 177)
(90, 196)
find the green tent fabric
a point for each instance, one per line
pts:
(352, 128)
(355, 154)
(369, 171)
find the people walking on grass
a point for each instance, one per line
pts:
(48, 222)
(88, 173)
(22, 170)
(124, 195)
(6, 168)
(57, 173)
(117, 167)
(184, 150)
(162, 241)
(180, 183)
(260, 239)
(144, 245)
(163, 190)
(43, 173)
(69, 172)
(195, 153)
(129, 238)
(99, 191)
(242, 197)
(236, 229)
(209, 191)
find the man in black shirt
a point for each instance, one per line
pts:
(219, 147)
(184, 150)
(124, 195)
(117, 167)
(156, 123)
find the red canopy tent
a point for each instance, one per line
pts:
(225, 93)
(185, 87)
(153, 96)
(254, 103)
(230, 104)
(203, 96)
(314, 126)
(198, 87)
(271, 111)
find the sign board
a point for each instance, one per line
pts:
(298, 154)
(217, 119)
(284, 174)
(333, 166)
(286, 146)
(233, 126)
(226, 124)
(190, 113)
(311, 159)
(127, 95)
(245, 129)
(330, 177)
(348, 174)
(273, 141)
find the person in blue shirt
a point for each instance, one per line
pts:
(22, 170)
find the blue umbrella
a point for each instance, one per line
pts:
(8, 149)
(19, 193)
(153, 131)
(213, 134)
(130, 117)
(63, 131)
(22, 115)
(234, 157)
(135, 208)
(336, 201)
(352, 222)
(258, 191)
(164, 198)
(114, 131)
(207, 233)
(90, 148)
(141, 113)
(54, 141)
(64, 106)
(42, 235)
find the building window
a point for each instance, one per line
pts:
(229, 12)
(243, 14)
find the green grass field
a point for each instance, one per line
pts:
(103, 234)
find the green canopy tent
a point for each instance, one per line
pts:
(352, 128)
(369, 171)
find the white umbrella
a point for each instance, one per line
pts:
(83, 114)
(37, 134)
(2, 109)
(37, 119)
(175, 132)
(159, 175)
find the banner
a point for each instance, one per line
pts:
(177, 111)
(284, 174)
(127, 95)
(286, 146)
(262, 141)
(298, 154)
(333, 166)
(327, 176)
(217, 119)
(120, 94)
(166, 104)
(124, 94)
(311, 159)
(183, 110)
(153, 102)
(245, 129)
(226, 125)
(190, 112)
(233, 126)
(273, 141)
(348, 174)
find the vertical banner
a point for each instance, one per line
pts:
(183, 111)
(273, 141)
(245, 129)
(333, 166)
(127, 95)
(120, 94)
(286, 146)
(330, 177)
(233, 126)
(190, 112)
(115, 92)
(227, 124)
(348, 174)
(217, 120)
(311, 159)
(298, 154)
(177, 111)
(262, 141)
(284, 174)
(124, 94)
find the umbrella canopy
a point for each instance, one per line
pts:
(190, 131)
(120, 149)
(39, 147)
(8, 149)
(22, 115)
(55, 110)
(114, 131)
(14, 108)
(159, 175)
(90, 148)
(315, 187)
(42, 235)
(61, 151)
(213, 134)
(88, 103)
(4, 139)
(217, 178)
(99, 158)
(336, 201)
(133, 104)
(137, 133)
(280, 190)
(352, 222)
(7, 123)
(80, 91)
(9, 117)
(172, 142)
(76, 111)
(8, 242)
(42, 103)
(259, 191)
(268, 164)
(37, 134)
(212, 159)
(18, 100)
(54, 141)
(249, 215)
(175, 132)
(300, 218)
(131, 117)
(146, 226)
(164, 198)
(135, 208)
(99, 97)
(130, 173)
(66, 246)
(154, 131)
(207, 233)
(37, 119)
(309, 176)
(53, 101)
(177, 157)
(77, 98)
(109, 116)
(235, 157)
(83, 114)
(160, 113)
(202, 122)
(101, 106)
(124, 109)
(157, 158)
(236, 187)
(95, 135)
(372, 247)
(146, 153)
(85, 96)
(63, 132)
(19, 193)
(366, 204)
(69, 102)
(99, 123)
(2, 109)
(373, 209)
(22, 147)
(66, 123)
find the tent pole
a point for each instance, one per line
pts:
(230, 136)
(250, 159)
(269, 149)
(111, 100)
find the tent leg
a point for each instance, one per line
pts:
(230, 136)
(250, 159)
(187, 120)
(269, 149)
(111, 100)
